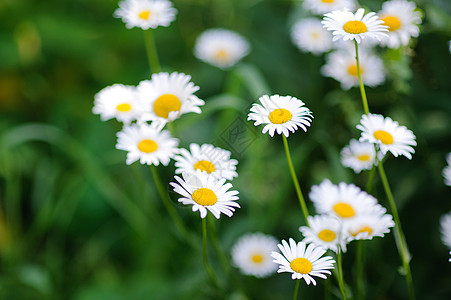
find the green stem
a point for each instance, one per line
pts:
(296, 289)
(210, 271)
(369, 184)
(151, 49)
(362, 88)
(359, 270)
(399, 235)
(295, 180)
(167, 203)
(341, 283)
(219, 251)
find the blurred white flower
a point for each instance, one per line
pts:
(309, 35)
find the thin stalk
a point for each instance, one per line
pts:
(210, 271)
(369, 184)
(151, 49)
(296, 289)
(399, 235)
(219, 251)
(359, 270)
(295, 181)
(362, 88)
(168, 205)
(341, 283)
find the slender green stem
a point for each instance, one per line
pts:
(210, 271)
(151, 50)
(219, 251)
(359, 270)
(399, 235)
(362, 88)
(295, 181)
(167, 203)
(369, 184)
(341, 283)
(296, 289)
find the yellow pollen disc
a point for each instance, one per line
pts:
(366, 229)
(204, 165)
(344, 210)
(355, 27)
(392, 22)
(204, 197)
(383, 136)
(147, 146)
(280, 116)
(352, 70)
(301, 265)
(165, 104)
(315, 35)
(327, 1)
(327, 235)
(363, 157)
(221, 55)
(144, 15)
(123, 107)
(257, 258)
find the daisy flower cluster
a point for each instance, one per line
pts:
(345, 213)
(392, 27)
(379, 135)
(146, 109)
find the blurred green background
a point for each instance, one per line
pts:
(77, 223)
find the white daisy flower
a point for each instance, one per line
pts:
(147, 144)
(387, 134)
(252, 254)
(206, 158)
(445, 229)
(341, 65)
(221, 48)
(309, 35)
(345, 201)
(118, 101)
(206, 193)
(402, 21)
(365, 227)
(320, 7)
(447, 170)
(349, 26)
(168, 96)
(325, 231)
(280, 113)
(303, 261)
(358, 156)
(146, 13)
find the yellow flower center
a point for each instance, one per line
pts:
(301, 265)
(204, 197)
(221, 55)
(165, 104)
(355, 27)
(280, 116)
(204, 165)
(257, 258)
(383, 136)
(327, 1)
(344, 210)
(123, 107)
(147, 146)
(363, 157)
(144, 15)
(392, 22)
(365, 228)
(315, 35)
(327, 235)
(352, 70)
